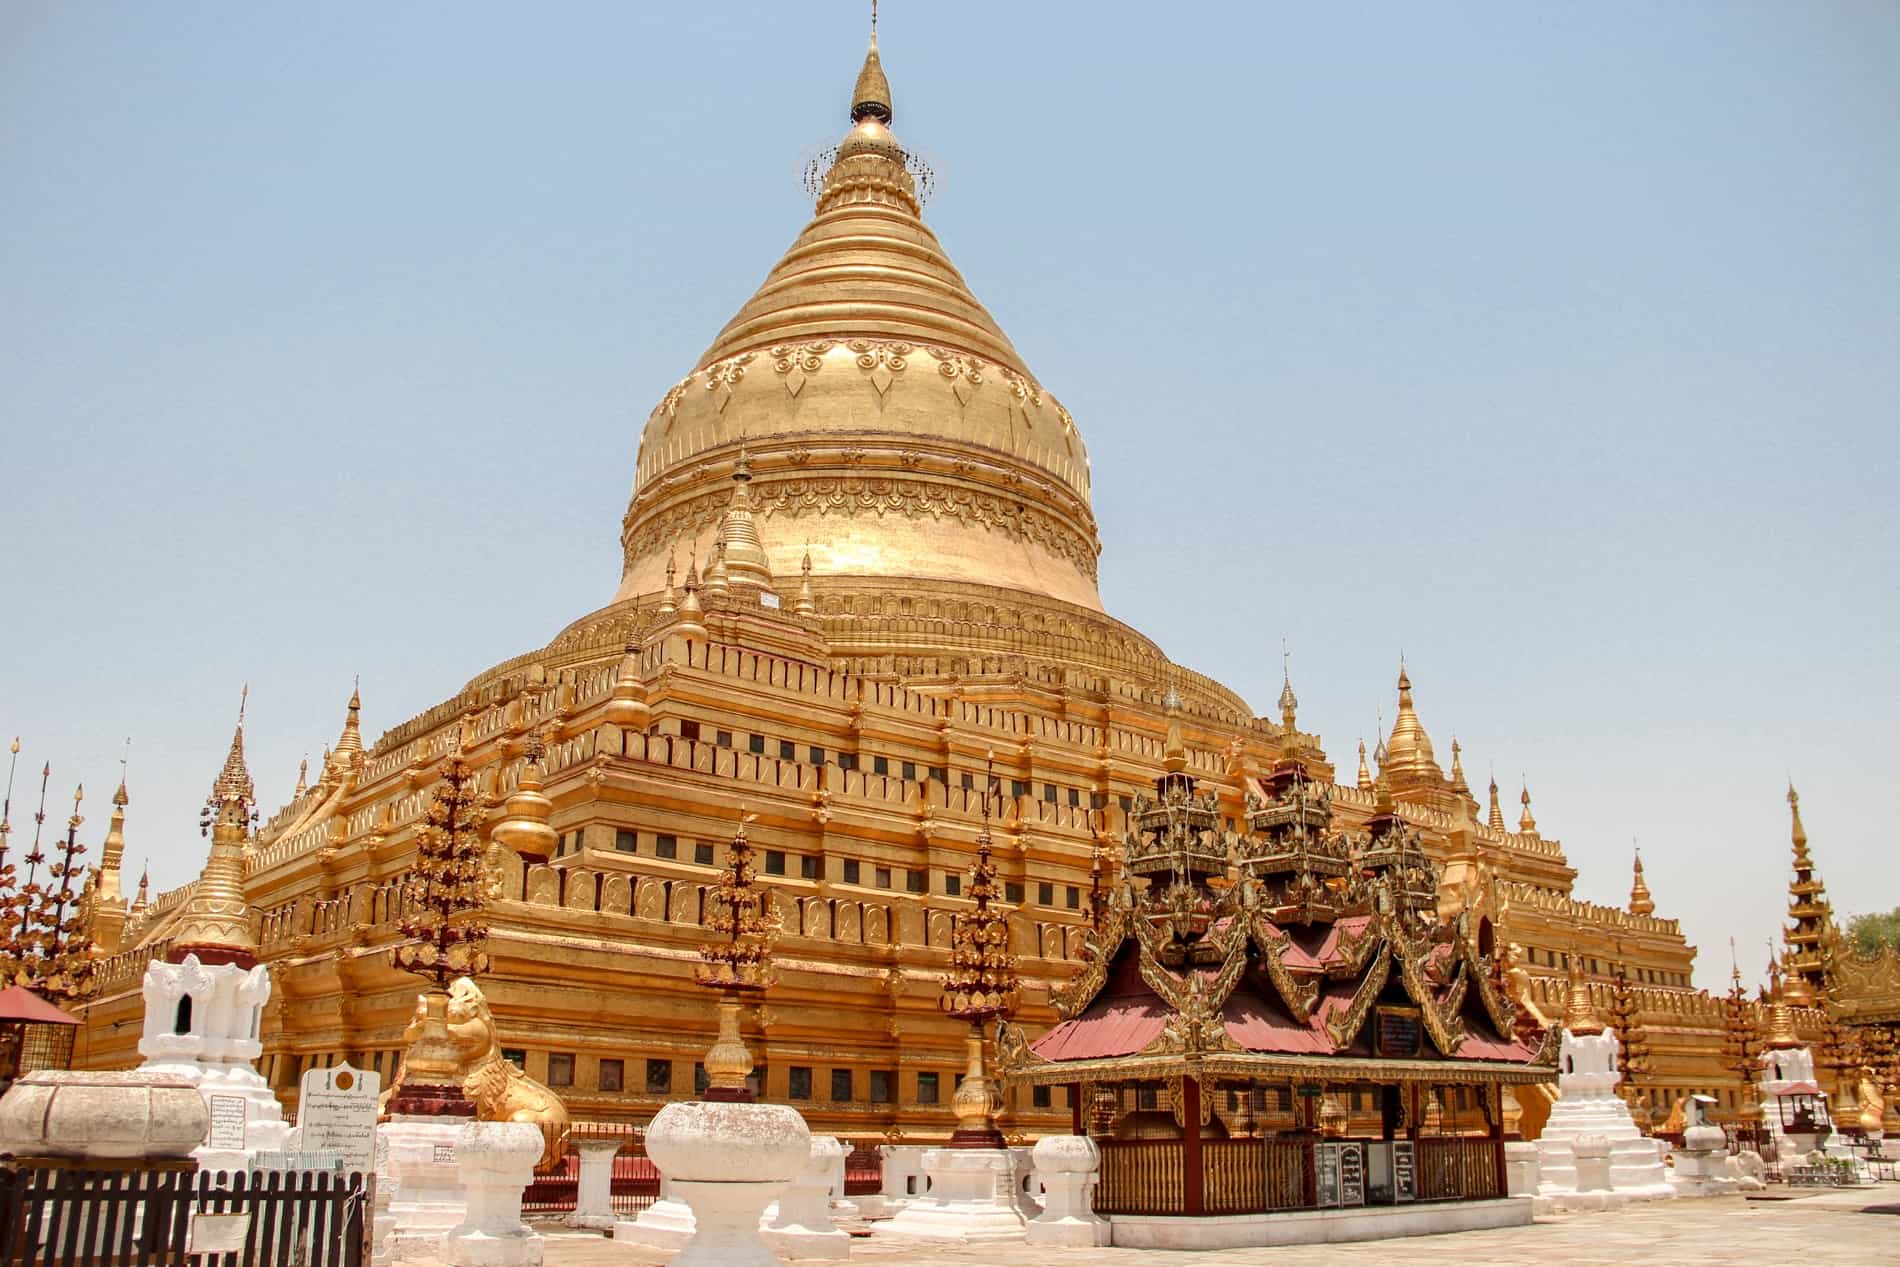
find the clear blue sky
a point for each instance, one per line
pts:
(1555, 344)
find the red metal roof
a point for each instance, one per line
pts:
(1256, 1027)
(1121, 1028)
(17, 1003)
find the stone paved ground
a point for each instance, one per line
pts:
(1826, 1230)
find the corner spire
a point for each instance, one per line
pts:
(352, 738)
(233, 785)
(1409, 748)
(1525, 823)
(1458, 783)
(1496, 817)
(1640, 903)
(807, 604)
(1365, 775)
(1580, 1014)
(669, 598)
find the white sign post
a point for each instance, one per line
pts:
(336, 1113)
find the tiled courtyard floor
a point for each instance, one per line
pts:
(1827, 1230)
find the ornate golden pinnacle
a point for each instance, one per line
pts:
(447, 885)
(743, 918)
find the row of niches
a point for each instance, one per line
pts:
(1560, 959)
(902, 920)
(786, 864)
(883, 766)
(366, 908)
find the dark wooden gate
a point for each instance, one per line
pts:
(142, 1218)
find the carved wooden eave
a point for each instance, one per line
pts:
(1343, 1027)
(1478, 971)
(1446, 1028)
(1297, 993)
(1103, 945)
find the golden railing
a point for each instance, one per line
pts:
(1453, 1169)
(1141, 1177)
(1239, 1176)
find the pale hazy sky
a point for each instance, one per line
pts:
(1554, 344)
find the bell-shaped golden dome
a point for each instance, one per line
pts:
(892, 427)
(1409, 757)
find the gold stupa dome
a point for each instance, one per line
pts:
(892, 427)
(1409, 754)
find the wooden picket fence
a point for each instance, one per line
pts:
(143, 1218)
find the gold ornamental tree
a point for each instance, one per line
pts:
(743, 918)
(981, 986)
(443, 897)
(1741, 1044)
(1633, 1037)
(61, 969)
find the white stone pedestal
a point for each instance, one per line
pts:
(903, 1181)
(1520, 1168)
(1591, 1156)
(496, 1161)
(428, 1201)
(1067, 1168)
(665, 1225)
(727, 1161)
(801, 1226)
(382, 1222)
(974, 1196)
(594, 1193)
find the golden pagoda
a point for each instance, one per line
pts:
(889, 573)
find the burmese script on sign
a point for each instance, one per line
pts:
(336, 1113)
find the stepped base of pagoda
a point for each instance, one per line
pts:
(1314, 1227)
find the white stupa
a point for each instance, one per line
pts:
(205, 1004)
(1590, 1154)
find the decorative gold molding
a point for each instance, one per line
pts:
(913, 494)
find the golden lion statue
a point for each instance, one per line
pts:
(500, 1092)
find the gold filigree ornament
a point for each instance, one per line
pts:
(795, 362)
(722, 377)
(881, 360)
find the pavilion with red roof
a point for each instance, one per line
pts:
(1278, 1018)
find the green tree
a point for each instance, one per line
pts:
(1866, 932)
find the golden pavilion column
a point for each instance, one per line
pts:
(980, 987)
(743, 917)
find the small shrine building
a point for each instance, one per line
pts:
(1274, 1016)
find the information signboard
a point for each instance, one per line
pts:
(1326, 1175)
(1399, 1032)
(1352, 1174)
(1404, 1170)
(336, 1113)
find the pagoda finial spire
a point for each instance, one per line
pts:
(1799, 834)
(1808, 907)
(1640, 903)
(233, 784)
(871, 95)
(1458, 783)
(1289, 702)
(1365, 774)
(1496, 817)
(1526, 823)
